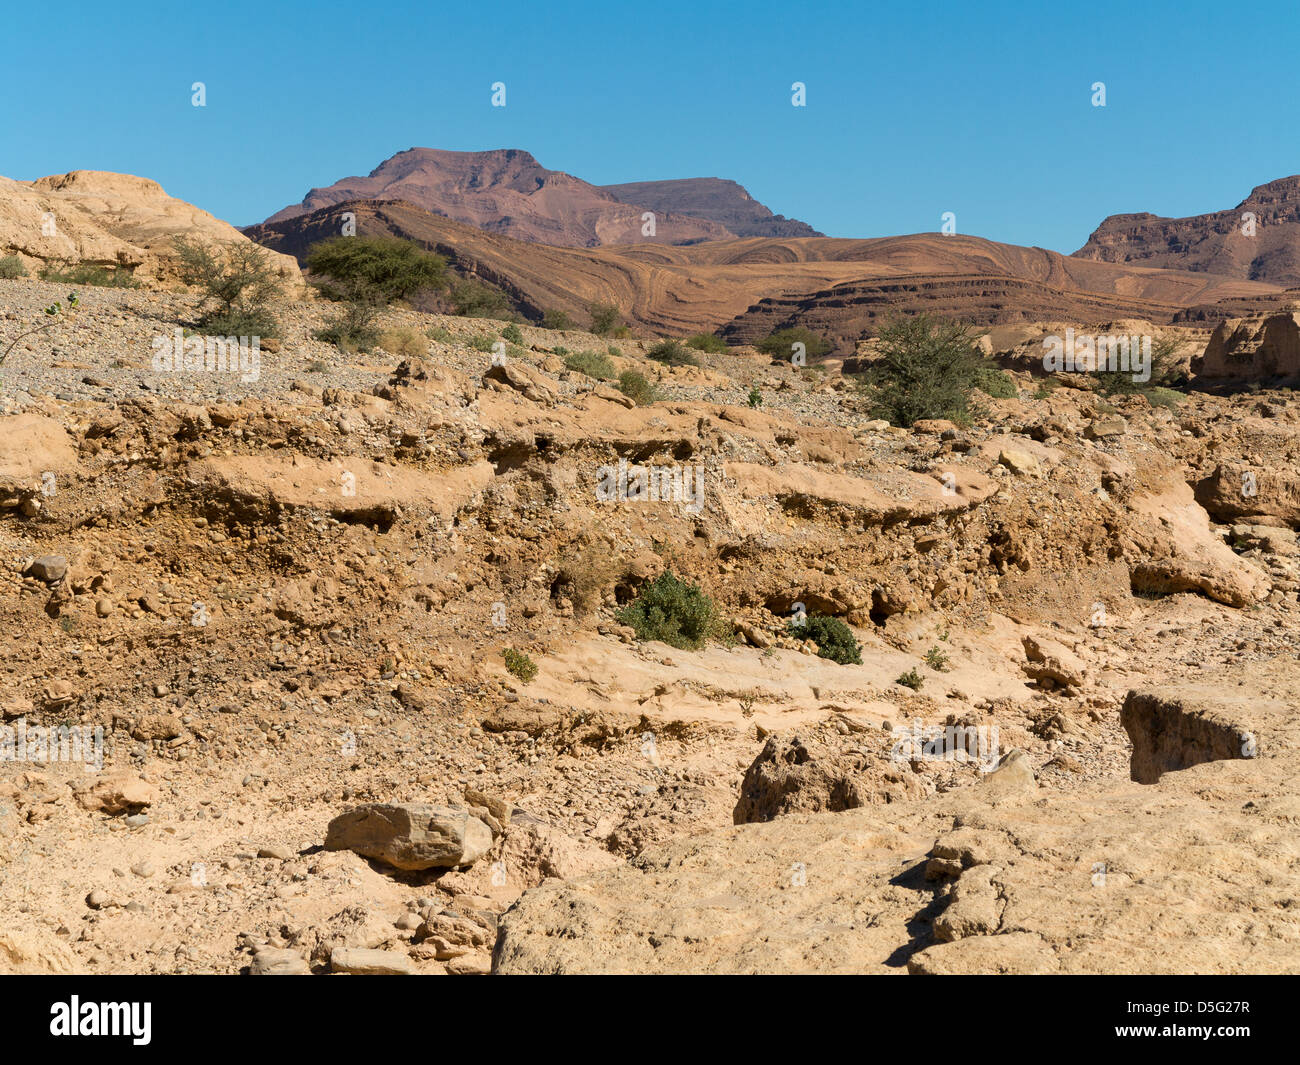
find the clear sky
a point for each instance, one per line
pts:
(913, 109)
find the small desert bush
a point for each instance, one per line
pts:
(238, 281)
(833, 638)
(707, 342)
(592, 363)
(481, 343)
(674, 612)
(473, 299)
(513, 334)
(912, 679)
(520, 664)
(926, 368)
(995, 383)
(1164, 397)
(937, 659)
(353, 329)
(87, 274)
(755, 397)
(605, 318)
(781, 344)
(440, 333)
(553, 319)
(11, 266)
(672, 353)
(404, 341)
(637, 388)
(1166, 370)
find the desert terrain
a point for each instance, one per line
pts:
(294, 597)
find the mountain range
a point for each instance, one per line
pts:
(511, 193)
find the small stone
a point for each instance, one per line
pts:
(48, 568)
(361, 962)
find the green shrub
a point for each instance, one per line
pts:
(375, 269)
(937, 659)
(927, 368)
(707, 342)
(512, 333)
(481, 343)
(605, 318)
(11, 266)
(780, 345)
(833, 638)
(1164, 397)
(1166, 370)
(755, 397)
(637, 388)
(675, 612)
(593, 364)
(672, 353)
(520, 664)
(353, 328)
(996, 383)
(440, 333)
(238, 281)
(87, 274)
(614, 352)
(911, 679)
(554, 319)
(473, 299)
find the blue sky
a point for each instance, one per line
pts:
(983, 109)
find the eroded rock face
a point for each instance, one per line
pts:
(793, 776)
(1175, 876)
(1254, 349)
(411, 836)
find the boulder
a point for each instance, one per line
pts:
(411, 836)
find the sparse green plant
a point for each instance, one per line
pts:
(519, 664)
(675, 612)
(755, 396)
(92, 274)
(747, 701)
(592, 363)
(68, 623)
(513, 334)
(11, 267)
(781, 344)
(637, 388)
(614, 352)
(996, 383)
(926, 368)
(672, 353)
(440, 333)
(1166, 370)
(481, 343)
(912, 679)
(834, 639)
(317, 367)
(556, 319)
(474, 299)
(707, 342)
(937, 659)
(353, 328)
(604, 318)
(238, 281)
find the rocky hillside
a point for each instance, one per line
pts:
(286, 602)
(117, 221)
(1262, 247)
(714, 199)
(746, 288)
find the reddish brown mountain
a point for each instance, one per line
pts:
(753, 286)
(1218, 243)
(715, 199)
(510, 193)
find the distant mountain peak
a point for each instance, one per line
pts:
(507, 191)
